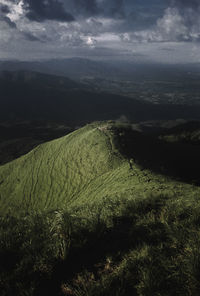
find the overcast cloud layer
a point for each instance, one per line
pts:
(147, 30)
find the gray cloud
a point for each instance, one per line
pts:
(167, 49)
(179, 23)
(4, 10)
(89, 8)
(189, 11)
(8, 21)
(186, 3)
(115, 8)
(30, 37)
(99, 27)
(41, 10)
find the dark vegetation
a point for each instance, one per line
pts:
(124, 244)
(38, 107)
(178, 159)
(146, 247)
(184, 133)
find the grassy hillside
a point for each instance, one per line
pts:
(84, 165)
(57, 171)
(84, 215)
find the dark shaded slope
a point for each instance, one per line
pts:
(188, 132)
(178, 160)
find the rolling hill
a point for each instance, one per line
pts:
(96, 213)
(90, 164)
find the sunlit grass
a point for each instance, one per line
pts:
(78, 219)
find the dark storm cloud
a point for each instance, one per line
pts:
(4, 10)
(189, 10)
(106, 8)
(179, 23)
(41, 10)
(115, 8)
(85, 6)
(30, 37)
(186, 3)
(8, 21)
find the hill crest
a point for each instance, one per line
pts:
(81, 168)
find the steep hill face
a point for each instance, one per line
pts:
(55, 173)
(81, 168)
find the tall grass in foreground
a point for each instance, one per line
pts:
(141, 247)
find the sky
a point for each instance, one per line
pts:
(163, 31)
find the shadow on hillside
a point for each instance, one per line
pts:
(178, 160)
(90, 247)
(31, 265)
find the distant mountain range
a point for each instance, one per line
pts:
(28, 95)
(76, 68)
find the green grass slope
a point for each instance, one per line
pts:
(56, 172)
(84, 216)
(84, 166)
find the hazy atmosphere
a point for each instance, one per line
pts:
(99, 147)
(140, 30)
